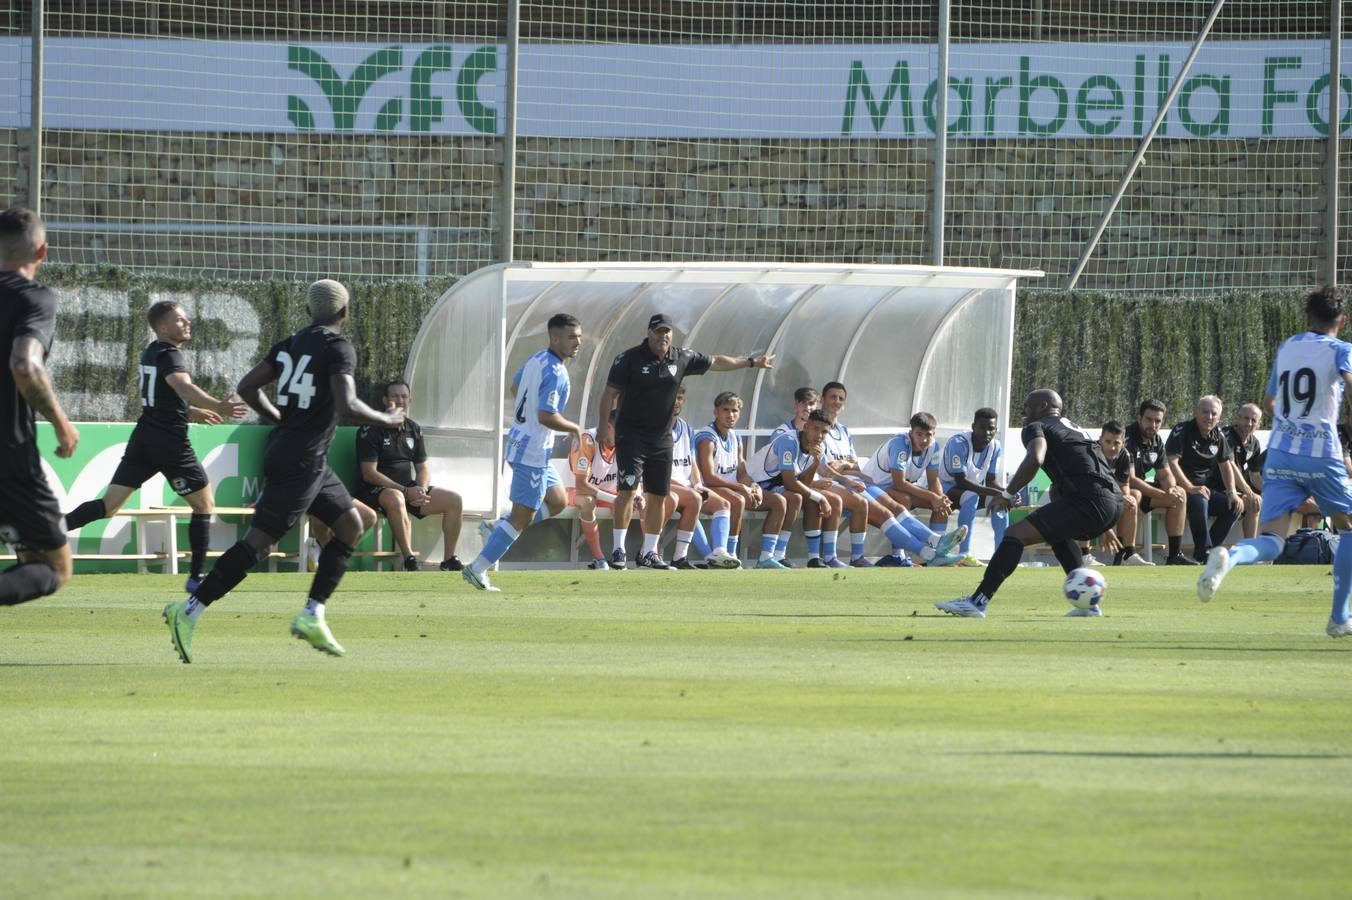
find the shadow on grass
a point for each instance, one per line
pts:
(1128, 754)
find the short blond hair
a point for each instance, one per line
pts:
(326, 300)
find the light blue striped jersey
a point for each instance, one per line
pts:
(541, 386)
(781, 454)
(958, 458)
(727, 450)
(897, 454)
(1307, 387)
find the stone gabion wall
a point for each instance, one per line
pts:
(1201, 215)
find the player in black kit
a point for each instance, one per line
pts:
(1088, 501)
(313, 370)
(159, 442)
(30, 519)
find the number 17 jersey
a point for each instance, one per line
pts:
(1307, 387)
(305, 362)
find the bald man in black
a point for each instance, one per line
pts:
(1088, 501)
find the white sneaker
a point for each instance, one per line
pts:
(1092, 560)
(1335, 629)
(1078, 613)
(1135, 559)
(478, 581)
(963, 606)
(720, 558)
(1217, 567)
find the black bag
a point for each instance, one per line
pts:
(1308, 547)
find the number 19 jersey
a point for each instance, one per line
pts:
(305, 362)
(1307, 387)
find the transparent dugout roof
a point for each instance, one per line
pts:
(901, 338)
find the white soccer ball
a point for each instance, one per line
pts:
(1085, 588)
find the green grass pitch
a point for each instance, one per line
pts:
(723, 734)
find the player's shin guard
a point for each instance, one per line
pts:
(1259, 549)
(857, 540)
(782, 544)
(829, 540)
(700, 542)
(332, 564)
(592, 532)
(967, 516)
(683, 539)
(1002, 565)
(1068, 554)
(232, 568)
(1342, 580)
(199, 539)
(814, 543)
(29, 581)
(82, 515)
(719, 526)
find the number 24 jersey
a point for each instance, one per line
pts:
(305, 362)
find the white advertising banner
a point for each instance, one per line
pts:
(1250, 89)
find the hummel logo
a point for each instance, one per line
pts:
(535, 480)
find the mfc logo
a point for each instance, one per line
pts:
(344, 96)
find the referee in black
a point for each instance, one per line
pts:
(643, 381)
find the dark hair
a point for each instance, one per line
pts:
(727, 397)
(158, 312)
(834, 386)
(395, 383)
(1112, 426)
(1324, 306)
(924, 420)
(986, 412)
(562, 320)
(1150, 404)
(806, 395)
(818, 416)
(21, 234)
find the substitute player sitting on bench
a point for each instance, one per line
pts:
(396, 481)
(594, 477)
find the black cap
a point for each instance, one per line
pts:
(661, 320)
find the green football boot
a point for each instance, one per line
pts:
(316, 631)
(180, 629)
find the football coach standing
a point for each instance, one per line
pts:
(643, 380)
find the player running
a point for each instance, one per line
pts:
(30, 519)
(1304, 394)
(159, 443)
(541, 387)
(313, 369)
(1087, 501)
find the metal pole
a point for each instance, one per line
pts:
(1331, 175)
(1145, 145)
(507, 226)
(940, 141)
(35, 145)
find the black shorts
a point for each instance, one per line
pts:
(638, 455)
(1077, 517)
(152, 451)
(296, 488)
(30, 516)
(370, 495)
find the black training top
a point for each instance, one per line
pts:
(1146, 455)
(1074, 460)
(396, 452)
(647, 385)
(305, 362)
(1121, 465)
(27, 309)
(161, 406)
(1199, 455)
(1246, 454)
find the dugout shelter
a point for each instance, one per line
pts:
(901, 338)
